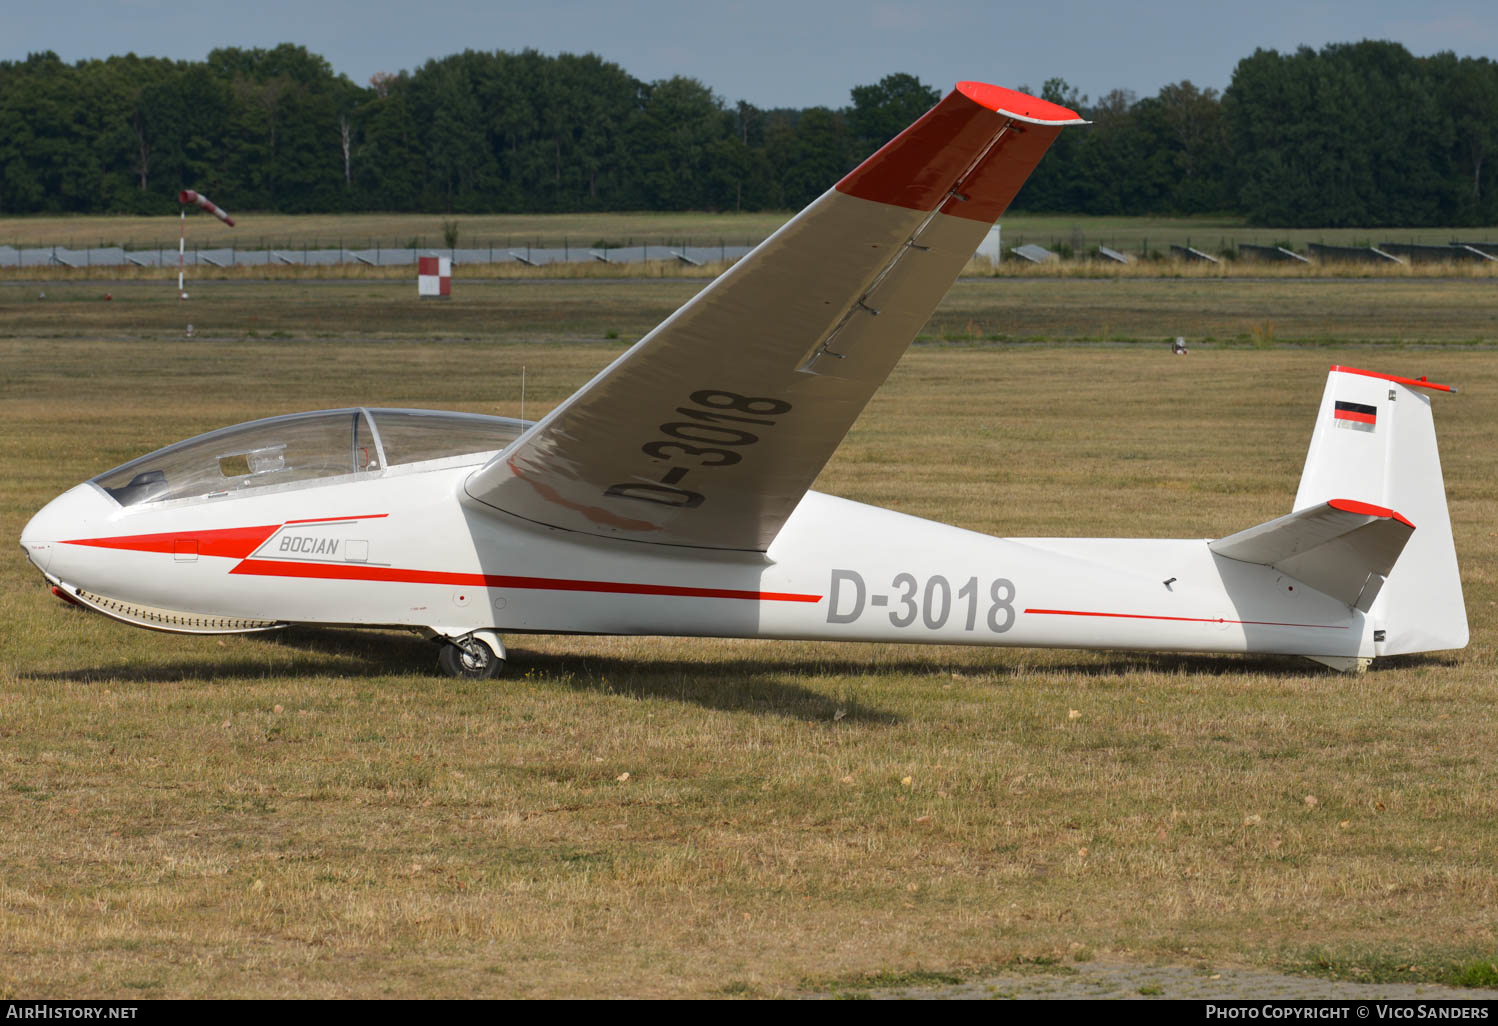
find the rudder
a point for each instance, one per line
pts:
(1375, 442)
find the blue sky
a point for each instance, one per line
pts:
(772, 53)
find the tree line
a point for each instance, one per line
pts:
(1351, 135)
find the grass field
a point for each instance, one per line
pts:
(43, 276)
(358, 231)
(1241, 312)
(317, 813)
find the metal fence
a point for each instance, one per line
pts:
(118, 256)
(694, 253)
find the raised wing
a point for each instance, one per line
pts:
(710, 429)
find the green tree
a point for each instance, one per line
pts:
(1469, 89)
(459, 157)
(809, 150)
(1319, 145)
(1189, 124)
(882, 111)
(391, 165)
(21, 188)
(1058, 183)
(672, 137)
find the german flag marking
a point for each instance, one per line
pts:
(1357, 416)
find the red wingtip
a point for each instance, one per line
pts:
(1012, 101)
(918, 168)
(1368, 509)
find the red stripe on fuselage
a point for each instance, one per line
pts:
(328, 520)
(1183, 619)
(240, 542)
(357, 572)
(233, 542)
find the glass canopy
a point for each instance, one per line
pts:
(304, 447)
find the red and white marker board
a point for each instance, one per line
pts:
(434, 277)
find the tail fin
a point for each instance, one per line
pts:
(1375, 442)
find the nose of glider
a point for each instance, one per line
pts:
(73, 514)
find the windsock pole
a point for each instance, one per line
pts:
(185, 197)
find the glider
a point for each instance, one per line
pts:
(670, 495)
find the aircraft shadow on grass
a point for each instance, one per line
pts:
(748, 685)
(740, 685)
(333, 653)
(1123, 664)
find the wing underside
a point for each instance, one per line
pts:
(710, 430)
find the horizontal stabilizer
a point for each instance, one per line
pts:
(1342, 548)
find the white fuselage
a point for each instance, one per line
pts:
(411, 549)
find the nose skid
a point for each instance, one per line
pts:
(169, 621)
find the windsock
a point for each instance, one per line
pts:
(187, 196)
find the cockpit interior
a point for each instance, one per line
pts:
(303, 447)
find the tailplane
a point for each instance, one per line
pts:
(1341, 548)
(1375, 444)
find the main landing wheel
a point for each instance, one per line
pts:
(469, 658)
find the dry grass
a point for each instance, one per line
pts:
(1259, 312)
(318, 814)
(977, 267)
(1136, 236)
(392, 231)
(1239, 312)
(354, 271)
(1240, 269)
(1128, 234)
(1210, 233)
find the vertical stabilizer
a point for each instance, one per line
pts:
(1375, 442)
